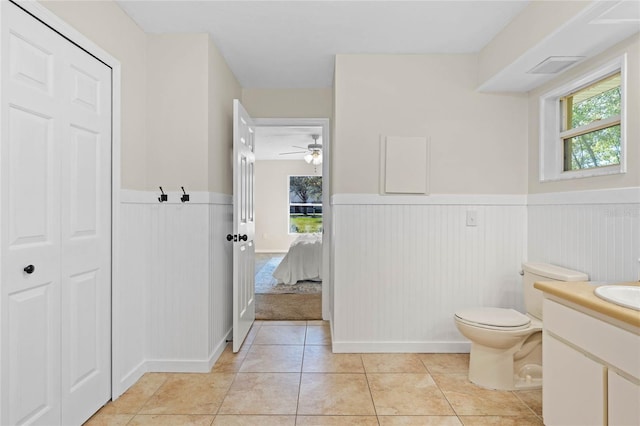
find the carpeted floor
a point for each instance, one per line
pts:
(289, 306)
(300, 301)
(266, 284)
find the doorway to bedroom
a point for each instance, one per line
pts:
(289, 209)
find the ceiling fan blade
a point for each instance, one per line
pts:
(301, 147)
(294, 152)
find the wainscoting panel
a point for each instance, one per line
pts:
(179, 283)
(220, 278)
(173, 295)
(130, 295)
(600, 239)
(402, 270)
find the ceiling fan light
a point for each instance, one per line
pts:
(308, 158)
(317, 159)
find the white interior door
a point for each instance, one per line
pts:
(85, 236)
(55, 237)
(244, 308)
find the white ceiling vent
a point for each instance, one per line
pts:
(622, 12)
(554, 64)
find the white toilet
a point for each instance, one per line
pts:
(506, 346)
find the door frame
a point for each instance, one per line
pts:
(52, 20)
(327, 236)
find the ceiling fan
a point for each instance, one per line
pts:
(313, 151)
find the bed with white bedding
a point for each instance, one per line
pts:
(303, 261)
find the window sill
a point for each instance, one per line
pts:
(587, 173)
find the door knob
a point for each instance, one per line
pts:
(237, 237)
(29, 269)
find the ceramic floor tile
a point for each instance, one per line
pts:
(268, 323)
(336, 421)
(469, 399)
(335, 394)
(189, 393)
(245, 420)
(229, 362)
(251, 335)
(407, 394)
(273, 359)
(262, 393)
(393, 363)
(533, 399)
(446, 363)
(318, 335)
(135, 397)
(171, 420)
(501, 421)
(419, 421)
(320, 359)
(280, 335)
(99, 419)
(318, 322)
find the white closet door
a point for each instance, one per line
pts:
(54, 226)
(86, 236)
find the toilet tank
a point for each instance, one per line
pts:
(544, 272)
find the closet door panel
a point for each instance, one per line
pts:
(55, 226)
(31, 126)
(86, 237)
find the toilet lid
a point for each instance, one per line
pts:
(494, 317)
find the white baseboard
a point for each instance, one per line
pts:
(129, 380)
(219, 349)
(178, 366)
(401, 347)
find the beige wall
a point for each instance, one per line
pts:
(223, 89)
(177, 104)
(272, 195)
(478, 141)
(288, 103)
(177, 100)
(109, 27)
(631, 47)
(537, 21)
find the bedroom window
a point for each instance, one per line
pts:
(305, 204)
(582, 126)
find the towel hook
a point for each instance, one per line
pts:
(163, 197)
(185, 196)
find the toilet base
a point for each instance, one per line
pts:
(493, 369)
(529, 377)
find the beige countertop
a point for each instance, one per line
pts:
(582, 293)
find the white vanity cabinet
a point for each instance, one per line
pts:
(591, 369)
(574, 386)
(624, 400)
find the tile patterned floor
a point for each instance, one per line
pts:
(286, 374)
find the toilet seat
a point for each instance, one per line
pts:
(494, 318)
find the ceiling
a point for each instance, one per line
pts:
(272, 141)
(292, 44)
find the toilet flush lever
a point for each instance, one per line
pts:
(521, 273)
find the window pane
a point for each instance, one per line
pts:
(596, 102)
(305, 204)
(596, 149)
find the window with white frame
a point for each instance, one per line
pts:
(582, 126)
(305, 204)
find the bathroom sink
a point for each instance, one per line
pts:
(623, 295)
